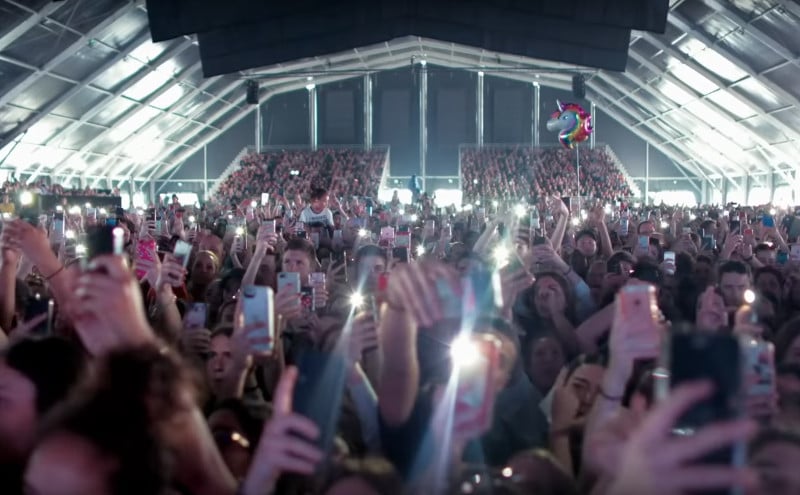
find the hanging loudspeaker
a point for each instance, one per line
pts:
(252, 92)
(578, 86)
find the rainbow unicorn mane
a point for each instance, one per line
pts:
(573, 123)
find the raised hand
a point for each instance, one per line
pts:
(286, 442)
(656, 462)
(109, 312)
(412, 288)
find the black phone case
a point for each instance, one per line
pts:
(319, 391)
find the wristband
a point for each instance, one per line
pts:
(53, 275)
(611, 398)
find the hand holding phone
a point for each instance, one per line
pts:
(636, 332)
(255, 318)
(476, 361)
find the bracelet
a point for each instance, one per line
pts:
(53, 275)
(611, 398)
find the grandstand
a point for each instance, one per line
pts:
(88, 99)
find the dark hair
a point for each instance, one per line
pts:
(566, 288)
(369, 250)
(54, 365)
(138, 388)
(223, 329)
(233, 275)
(251, 425)
(318, 193)
(768, 270)
(648, 271)
(599, 359)
(304, 245)
(733, 266)
(788, 369)
(639, 227)
(684, 264)
(617, 258)
(376, 472)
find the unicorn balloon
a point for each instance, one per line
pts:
(573, 123)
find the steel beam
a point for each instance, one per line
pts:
(141, 74)
(66, 53)
(27, 24)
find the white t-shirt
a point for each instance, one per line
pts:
(308, 216)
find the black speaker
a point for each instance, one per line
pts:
(252, 92)
(579, 86)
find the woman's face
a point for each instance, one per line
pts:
(545, 362)
(585, 382)
(18, 416)
(204, 269)
(546, 289)
(66, 464)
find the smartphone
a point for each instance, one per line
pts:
(337, 235)
(257, 305)
(768, 221)
(286, 279)
(387, 235)
(402, 229)
(687, 230)
(104, 240)
(38, 305)
(747, 231)
(708, 243)
(644, 243)
(145, 250)
(319, 391)
(401, 254)
(782, 257)
(269, 226)
(300, 227)
(758, 357)
(403, 240)
(307, 300)
(477, 366)
(315, 239)
(735, 226)
(57, 232)
(449, 299)
(638, 303)
(182, 252)
(794, 252)
(302, 234)
(316, 279)
(195, 316)
(713, 357)
(669, 257)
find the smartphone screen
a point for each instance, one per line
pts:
(403, 240)
(637, 303)
(735, 226)
(669, 256)
(768, 221)
(644, 243)
(476, 368)
(289, 279)
(195, 316)
(307, 300)
(182, 252)
(269, 226)
(794, 252)
(319, 391)
(257, 305)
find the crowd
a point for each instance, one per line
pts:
(44, 187)
(353, 172)
(360, 348)
(518, 172)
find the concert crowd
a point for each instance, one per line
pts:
(326, 343)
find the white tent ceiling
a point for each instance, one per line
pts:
(84, 92)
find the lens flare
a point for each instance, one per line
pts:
(26, 198)
(464, 351)
(357, 300)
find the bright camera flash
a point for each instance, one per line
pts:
(70, 234)
(477, 202)
(59, 208)
(772, 211)
(468, 207)
(75, 210)
(88, 205)
(192, 219)
(576, 221)
(664, 224)
(584, 215)
(520, 210)
(26, 198)
(607, 209)
(80, 249)
(692, 216)
(464, 351)
(420, 250)
(103, 211)
(363, 233)
(495, 203)
(749, 296)
(501, 255)
(239, 231)
(414, 217)
(254, 204)
(357, 300)
(230, 217)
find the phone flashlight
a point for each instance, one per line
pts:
(59, 208)
(357, 300)
(464, 351)
(519, 210)
(192, 219)
(749, 296)
(501, 255)
(70, 234)
(80, 249)
(576, 221)
(363, 233)
(420, 250)
(239, 231)
(103, 211)
(26, 198)
(75, 210)
(88, 205)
